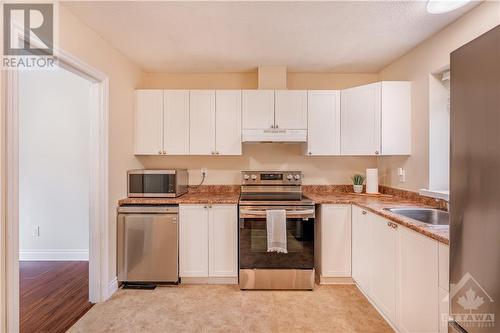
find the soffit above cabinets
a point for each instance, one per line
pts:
(237, 36)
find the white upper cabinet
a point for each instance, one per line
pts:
(148, 122)
(360, 120)
(396, 118)
(290, 107)
(202, 122)
(258, 109)
(228, 122)
(176, 122)
(323, 124)
(376, 119)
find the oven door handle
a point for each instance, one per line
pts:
(303, 213)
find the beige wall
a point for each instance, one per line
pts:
(82, 42)
(416, 66)
(226, 170)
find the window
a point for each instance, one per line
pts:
(439, 132)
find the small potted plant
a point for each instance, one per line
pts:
(357, 183)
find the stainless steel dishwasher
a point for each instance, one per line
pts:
(147, 244)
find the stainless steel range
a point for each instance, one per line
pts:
(262, 193)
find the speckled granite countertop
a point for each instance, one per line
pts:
(336, 194)
(207, 194)
(376, 204)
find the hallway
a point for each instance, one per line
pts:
(53, 295)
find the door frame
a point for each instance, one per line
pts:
(100, 286)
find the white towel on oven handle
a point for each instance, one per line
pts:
(276, 230)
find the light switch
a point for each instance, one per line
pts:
(401, 175)
(35, 231)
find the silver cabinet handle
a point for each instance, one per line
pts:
(376, 152)
(364, 212)
(164, 152)
(310, 153)
(389, 224)
(159, 152)
(216, 153)
(272, 126)
(251, 212)
(276, 126)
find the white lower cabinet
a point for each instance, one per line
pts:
(361, 248)
(384, 263)
(193, 240)
(418, 282)
(444, 310)
(223, 241)
(398, 270)
(208, 241)
(333, 236)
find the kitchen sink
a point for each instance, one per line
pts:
(434, 218)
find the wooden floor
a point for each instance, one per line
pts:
(53, 295)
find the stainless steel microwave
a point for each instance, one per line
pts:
(157, 183)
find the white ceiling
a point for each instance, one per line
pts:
(342, 36)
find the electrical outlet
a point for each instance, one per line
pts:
(35, 231)
(204, 172)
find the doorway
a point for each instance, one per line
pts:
(99, 285)
(54, 169)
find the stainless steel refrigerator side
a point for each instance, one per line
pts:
(475, 186)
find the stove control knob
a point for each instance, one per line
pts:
(289, 177)
(246, 177)
(297, 177)
(254, 177)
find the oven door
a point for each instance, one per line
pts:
(253, 238)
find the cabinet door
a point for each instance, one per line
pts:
(176, 122)
(223, 241)
(444, 310)
(202, 122)
(361, 248)
(228, 122)
(290, 109)
(384, 259)
(418, 282)
(396, 118)
(258, 109)
(360, 120)
(323, 124)
(336, 240)
(148, 122)
(193, 241)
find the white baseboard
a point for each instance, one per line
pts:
(209, 280)
(53, 255)
(112, 287)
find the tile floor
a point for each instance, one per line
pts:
(202, 308)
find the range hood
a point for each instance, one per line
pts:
(274, 135)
